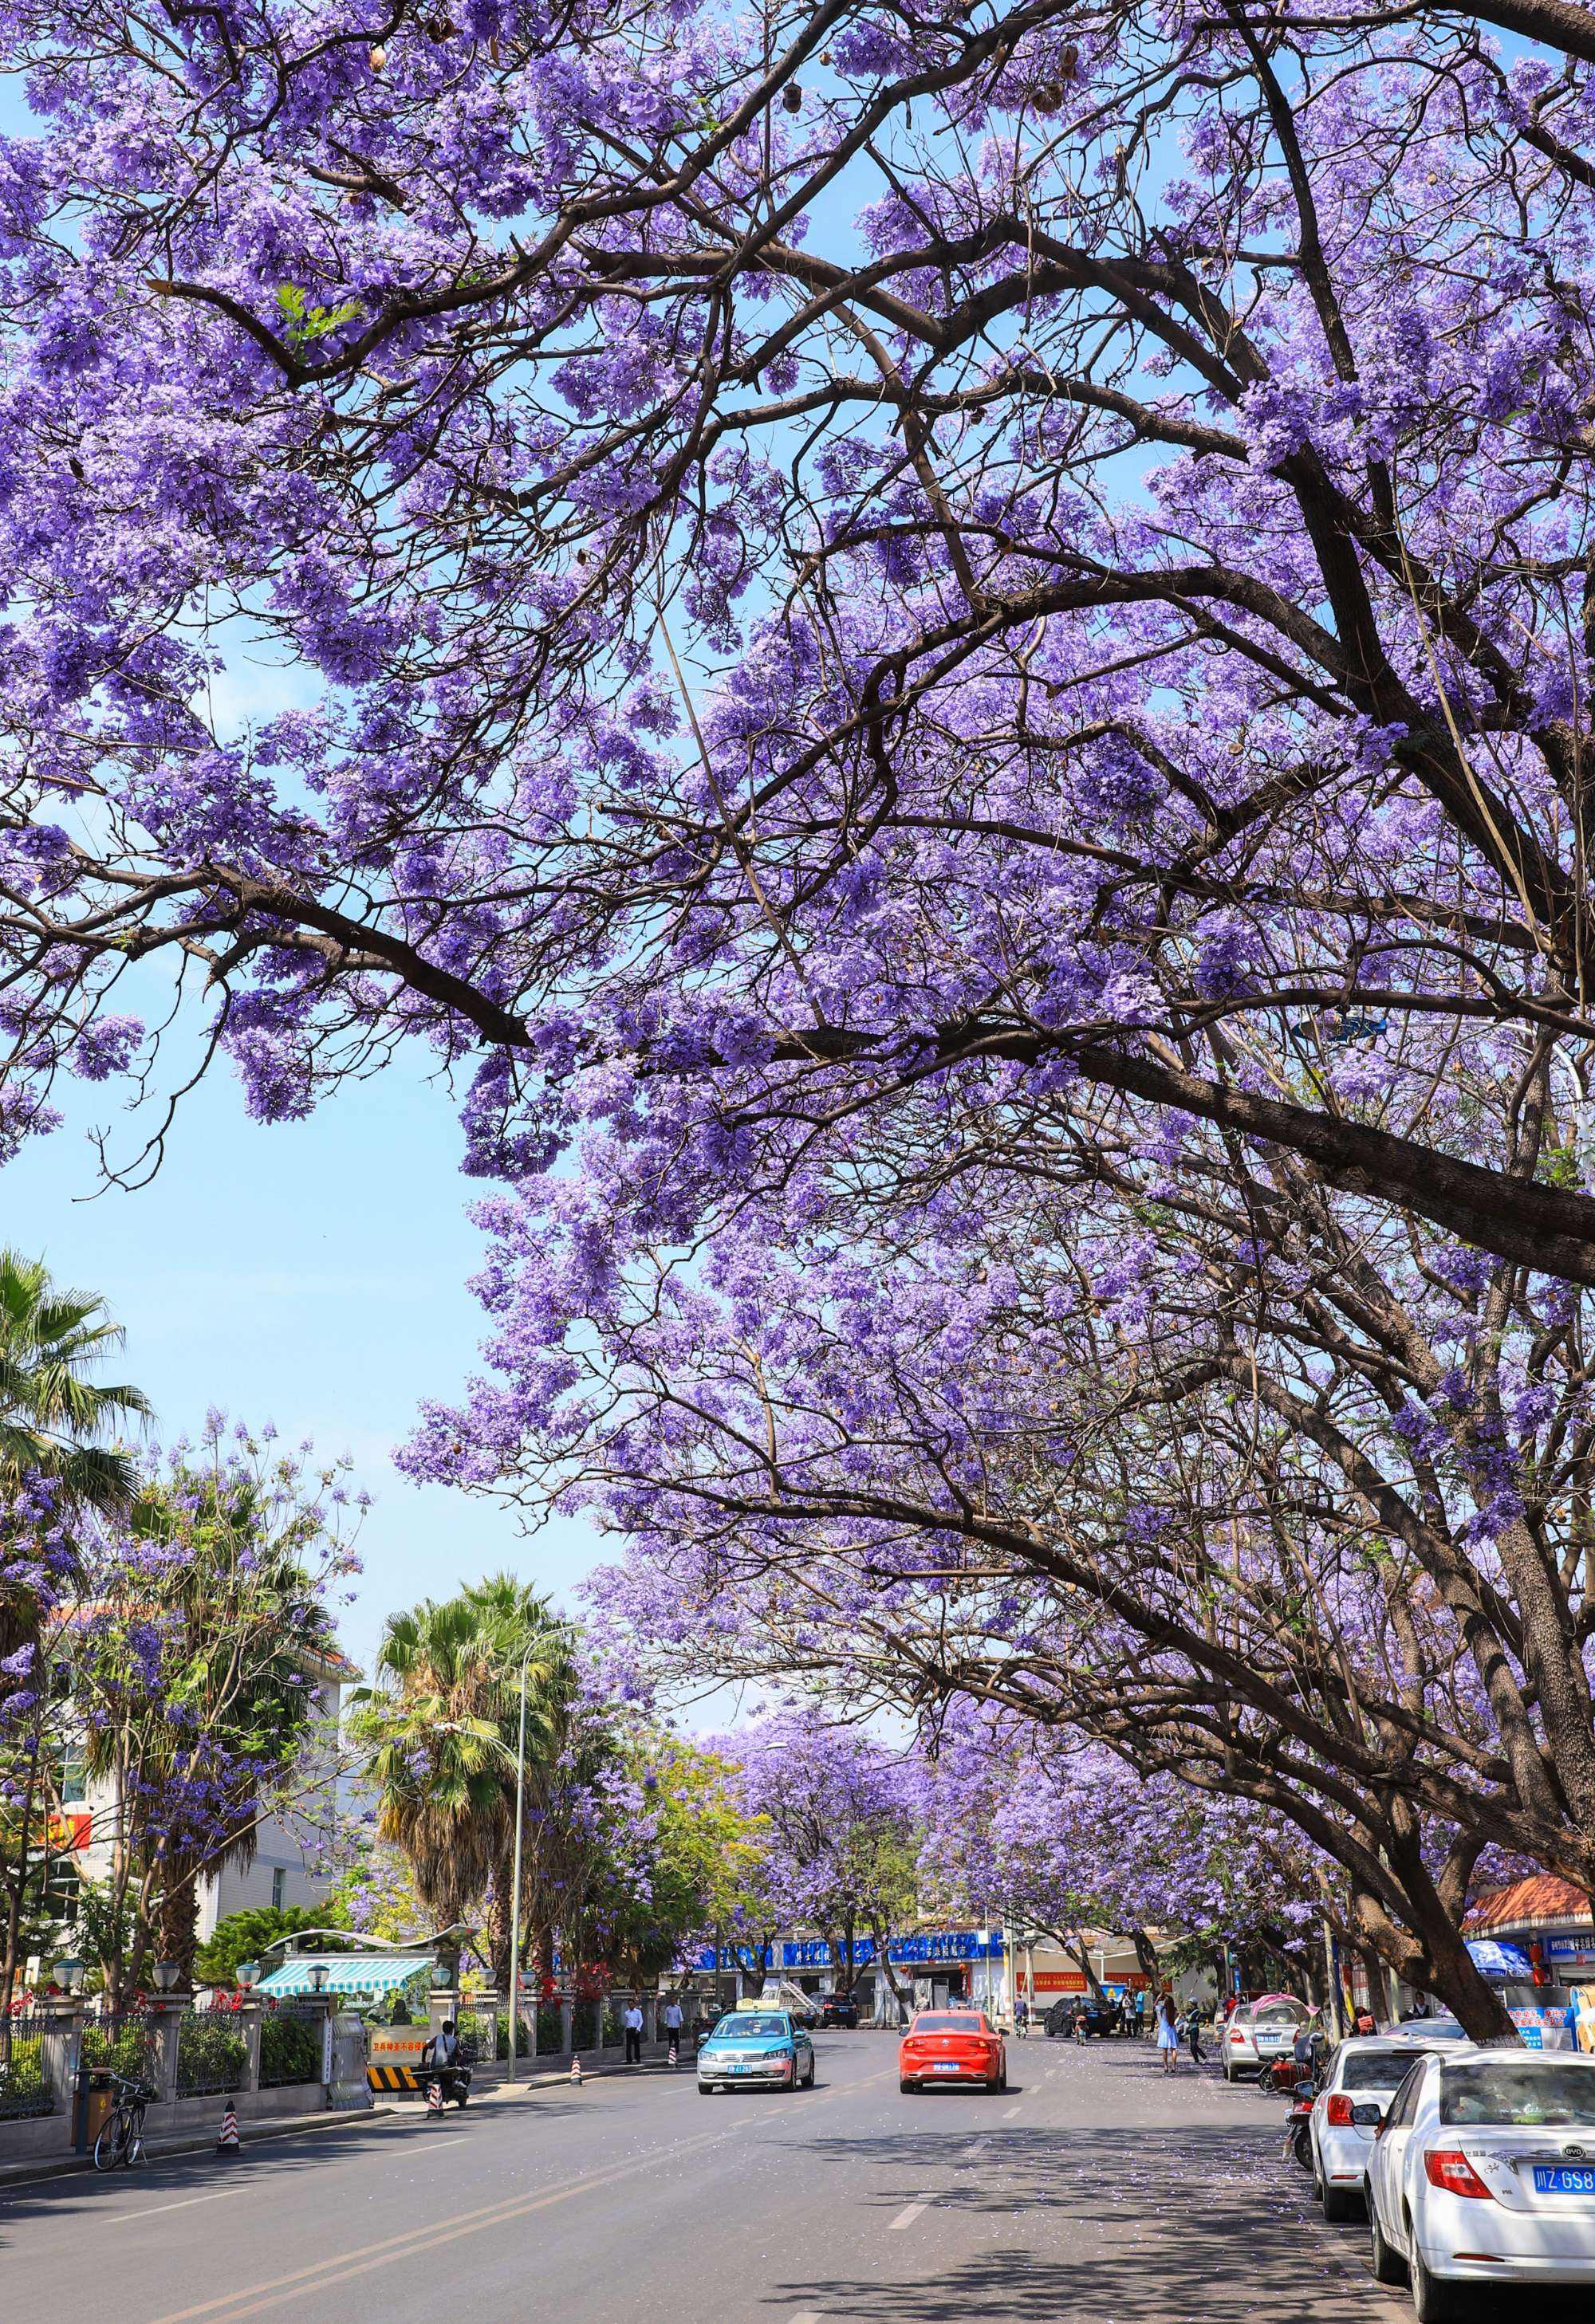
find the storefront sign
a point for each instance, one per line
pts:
(1060, 1980)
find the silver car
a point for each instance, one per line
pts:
(1258, 2032)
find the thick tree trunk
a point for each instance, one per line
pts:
(1436, 1961)
(1076, 1948)
(901, 1995)
(1147, 1955)
(177, 1927)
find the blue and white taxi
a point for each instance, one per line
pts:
(758, 2049)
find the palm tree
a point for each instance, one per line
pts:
(51, 1414)
(440, 1730)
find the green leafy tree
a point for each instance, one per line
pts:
(246, 1935)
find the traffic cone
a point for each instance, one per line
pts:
(576, 2074)
(434, 2101)
(230, 2143)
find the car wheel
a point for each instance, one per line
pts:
(809, 2077)
(1339, 2204)
(1434, 2300)
(1228, 2072)
(1388, 2266)
(909, 2089)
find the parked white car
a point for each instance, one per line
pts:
(1258, 2032)
(1484, 2173)
(1364, 2075)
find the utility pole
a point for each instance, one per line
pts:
(515, 1903)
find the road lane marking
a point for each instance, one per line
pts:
(806, 2315)
(1010, 2114)
(154, 2211)
(909, 2214)
(422, 2238)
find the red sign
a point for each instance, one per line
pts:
(1060, 1980)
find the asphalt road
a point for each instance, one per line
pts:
(1093, 2190)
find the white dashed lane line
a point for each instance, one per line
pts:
(1010, 2114)
(909, 2214)
(152, 2210)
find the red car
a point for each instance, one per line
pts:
(953, 2045)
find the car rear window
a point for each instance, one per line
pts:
(1519, 2093)
(750, 2022)
(1377, 2069)
(1278, 2013)
(967, 2023)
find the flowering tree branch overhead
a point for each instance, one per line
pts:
(844, 547)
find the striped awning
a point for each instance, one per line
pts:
(346, 1973)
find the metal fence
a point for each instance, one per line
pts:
(212, 2055)
(124, 2040)
(290, 2046)
(24, 2087)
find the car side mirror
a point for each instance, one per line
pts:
(1369, 2117)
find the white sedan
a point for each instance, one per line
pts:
(1258, 2032)
(1484, 2173)
(1364, 2075)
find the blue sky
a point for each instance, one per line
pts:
(312, 1273)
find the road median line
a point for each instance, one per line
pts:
(339, 2267)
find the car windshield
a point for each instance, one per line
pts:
(750, 2022)
(1377, 2069)
(1519, 2093)
(965, 2024)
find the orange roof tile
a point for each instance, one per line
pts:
(1542, 1897)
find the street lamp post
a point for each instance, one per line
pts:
(515, 1902)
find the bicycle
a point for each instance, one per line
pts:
(122, 2133)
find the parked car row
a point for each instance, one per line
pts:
(1473, 2165)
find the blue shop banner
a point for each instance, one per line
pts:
(931, 1949)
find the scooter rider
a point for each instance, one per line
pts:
(442, 2052)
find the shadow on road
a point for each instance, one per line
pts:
(1144, 2226)
(181, 2178)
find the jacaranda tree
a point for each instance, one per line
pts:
(946, 649)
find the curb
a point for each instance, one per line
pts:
(66, 2166)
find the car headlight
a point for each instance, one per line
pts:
(782, 2052)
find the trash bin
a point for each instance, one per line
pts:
(94, 2100)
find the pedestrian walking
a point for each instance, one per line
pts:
(1165, 2030)
(1022, 2018)
(633, 2022)
(672, 2027)
(1365, 2023)
(1193, 2022)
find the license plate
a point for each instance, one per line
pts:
(951, 2067)
(1559, 2181)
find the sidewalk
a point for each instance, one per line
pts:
(394, 2106)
